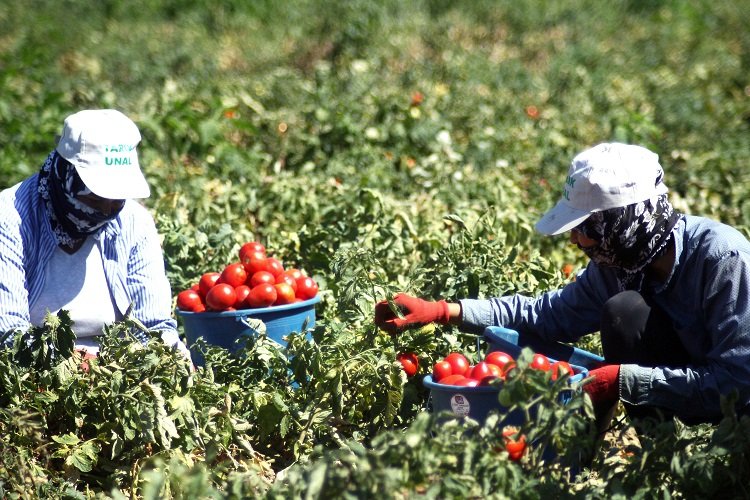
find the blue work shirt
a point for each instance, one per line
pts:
(130, 250)
(706, 296)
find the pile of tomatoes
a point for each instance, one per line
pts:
(456, 370)
(256, 281)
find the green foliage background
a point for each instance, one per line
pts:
(295, 123)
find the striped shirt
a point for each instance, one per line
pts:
(130, 250)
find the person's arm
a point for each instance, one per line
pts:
(14, 298)
(561, 315)
(148, 286)
(694, 391)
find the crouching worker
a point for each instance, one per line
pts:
(73, 237)
(669, 294)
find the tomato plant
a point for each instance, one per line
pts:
(559, 368)
(540, 362)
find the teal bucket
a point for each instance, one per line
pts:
(225, 329)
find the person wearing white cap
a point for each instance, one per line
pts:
(73, 237)
(668, 292)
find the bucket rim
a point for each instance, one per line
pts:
(245, 312)
(431, 384)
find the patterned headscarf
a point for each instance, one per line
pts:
(71, 219)
(630, 238)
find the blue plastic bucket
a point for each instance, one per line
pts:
(504, 339)
(225, 328)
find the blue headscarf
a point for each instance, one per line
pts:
(71, 219)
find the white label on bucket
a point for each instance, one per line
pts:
(460, 405)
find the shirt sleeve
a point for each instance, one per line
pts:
(563, 315)
(695, 391)
(14, 298)
(149, 289)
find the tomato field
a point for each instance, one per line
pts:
(379, 147)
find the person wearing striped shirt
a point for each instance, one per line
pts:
(74, 237)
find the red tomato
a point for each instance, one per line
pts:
(454, 379)
(284, 294)
(207, 281)
(467, 382)
(540, 362)
(499, 359)
(234, 275)
(221, 296)
(480, 371)
(294, 273)
(440, 370)
(459, 363)
(409, 362)
(285, 278)
(559, 368)
(255, 265)
(495, 370)
(306, 288)
(242, 292)
(250, 249)
(261, 277)
(188, 300)
(196, 287)
(262, 295)
(274, 266)
(514, 446)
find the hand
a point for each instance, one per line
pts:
(416, 312)
(604, 386)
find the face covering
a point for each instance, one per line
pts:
(71, 219)
(630, 238)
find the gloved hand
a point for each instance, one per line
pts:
(604, 386)
(416, 312)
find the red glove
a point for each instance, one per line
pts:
(416, 312)
(604, 386)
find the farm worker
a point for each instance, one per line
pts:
(669, 293)
(72, 237)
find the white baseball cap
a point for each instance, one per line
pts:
(101, 144)
(606, 176)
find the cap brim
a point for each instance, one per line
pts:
(120, 183)
(560, 218)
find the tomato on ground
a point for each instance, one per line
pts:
(221, 297)
(234, 275)
(459, 363)
(409, 362)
